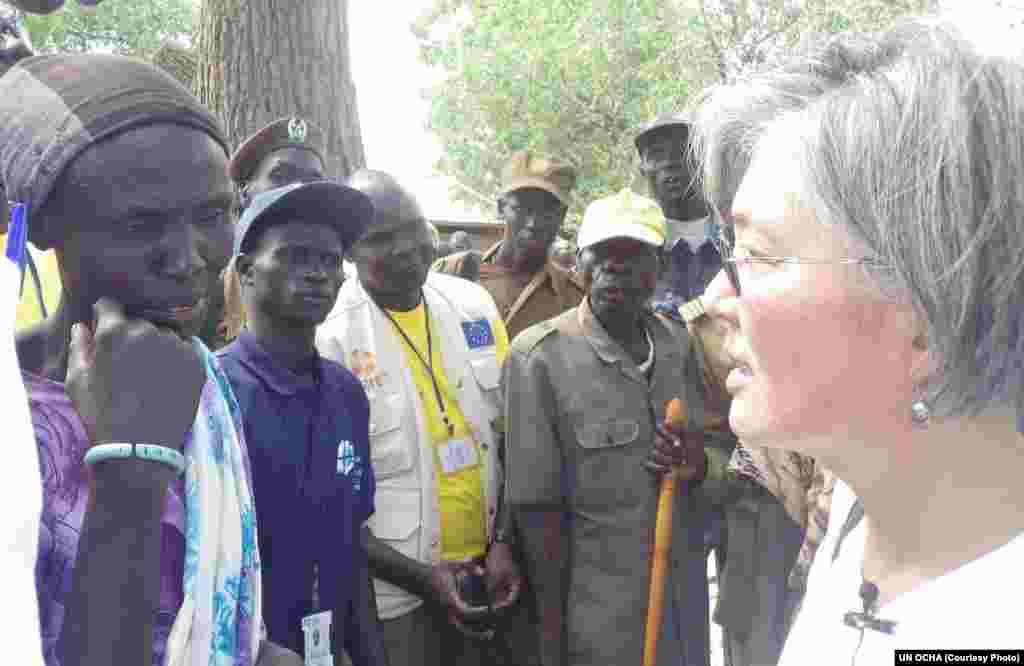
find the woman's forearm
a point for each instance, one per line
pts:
(116, 584)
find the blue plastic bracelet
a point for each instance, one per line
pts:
(160, 454)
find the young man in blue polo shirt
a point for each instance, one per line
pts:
(307, 421)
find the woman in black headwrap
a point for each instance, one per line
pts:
(123, 173)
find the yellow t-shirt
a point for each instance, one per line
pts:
(28, 311)
(461, 494)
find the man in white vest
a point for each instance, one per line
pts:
(428, 350)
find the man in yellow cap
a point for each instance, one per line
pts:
(585, 399)
(526, 284)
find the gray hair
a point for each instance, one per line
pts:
(910, 141)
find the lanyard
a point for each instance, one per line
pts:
(428, 362)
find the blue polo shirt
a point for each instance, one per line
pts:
(313, 488)
(688, 272)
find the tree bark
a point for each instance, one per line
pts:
(260, 60)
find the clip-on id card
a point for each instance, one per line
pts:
(317, 631)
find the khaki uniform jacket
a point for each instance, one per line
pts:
(548, 294)
(580, 421)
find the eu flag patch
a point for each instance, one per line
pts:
(478, 333)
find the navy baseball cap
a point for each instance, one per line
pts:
(347, 210)
(683, 121)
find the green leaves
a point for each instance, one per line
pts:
(137, 28)
(575, 78)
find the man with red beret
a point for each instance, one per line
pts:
(288, 150)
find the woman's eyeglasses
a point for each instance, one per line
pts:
(725, 243)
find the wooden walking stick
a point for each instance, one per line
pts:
(675, 417)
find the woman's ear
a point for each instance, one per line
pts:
(243, 264)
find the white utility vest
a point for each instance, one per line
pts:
(359, 335)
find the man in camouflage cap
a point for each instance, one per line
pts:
(527, 286)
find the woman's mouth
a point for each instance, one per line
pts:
(176, 316)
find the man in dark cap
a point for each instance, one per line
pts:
(136, 241)
(288, 150)
(307, 421)
(526, 284)
(428, 350)
(692, 261)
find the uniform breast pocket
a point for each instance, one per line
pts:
(605, 434)
(609, 463)
(390, 446)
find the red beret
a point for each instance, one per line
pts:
(284, 133)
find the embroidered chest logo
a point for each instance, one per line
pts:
(349, 463)
(478, 333)
(363, 365)
(297, 130)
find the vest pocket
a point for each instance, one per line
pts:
(487, 372)
(389, 447)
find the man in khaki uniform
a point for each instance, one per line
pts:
(585, 394)
(526, 284)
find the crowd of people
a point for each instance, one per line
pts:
(278, 420)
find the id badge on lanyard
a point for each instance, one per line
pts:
(457, 455)
(317, 631)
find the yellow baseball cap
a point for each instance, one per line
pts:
(623, 215)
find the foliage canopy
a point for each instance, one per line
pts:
(577, 78)
(131, 28)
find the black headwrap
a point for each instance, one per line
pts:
(53, 107)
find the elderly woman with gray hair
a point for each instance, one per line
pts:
(874, 293)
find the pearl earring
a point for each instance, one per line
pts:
(920, 413)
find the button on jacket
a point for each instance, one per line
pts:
(581, 419)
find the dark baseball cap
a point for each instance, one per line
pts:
(666, 120)
(348, 210)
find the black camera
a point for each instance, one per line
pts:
(472, 589)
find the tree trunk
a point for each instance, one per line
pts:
(260, 60)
